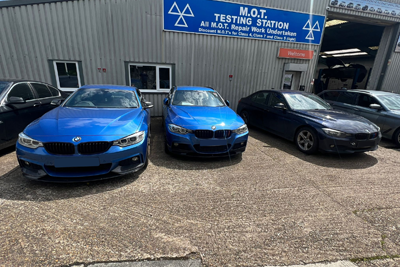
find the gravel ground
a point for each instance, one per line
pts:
(271, 206)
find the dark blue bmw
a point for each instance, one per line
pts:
(309, 121)
(99, 129)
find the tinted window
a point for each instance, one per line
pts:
(366, 100)
(347, 97)
(103, 98)
(275, 99)
(330, 95)
(260, 98)
(391, 101)
(197, 98)
(21, 90)
(54, 91)
(4, 85)
(41, 90)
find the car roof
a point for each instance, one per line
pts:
(194, 88)
(19, 80)
(371, 92)
(108, 86)
(285, 91)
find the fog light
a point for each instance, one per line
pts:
(26, 163)
(176, 144)
(242, 143)
(353, 144)
(135, 158)
(332, 146)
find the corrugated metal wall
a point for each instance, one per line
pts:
(108, 33)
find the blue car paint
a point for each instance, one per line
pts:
(286, 123)
(62, 124)
(202, 118)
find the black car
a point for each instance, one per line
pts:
(309, 121)
(22, 102)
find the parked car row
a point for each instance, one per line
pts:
(101, 131)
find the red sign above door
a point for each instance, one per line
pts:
(295, 53)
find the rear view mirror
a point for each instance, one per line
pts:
(166, 101)
(56, 102)
(280, 106)
(15, 100)
(375, 106)
(148, 104)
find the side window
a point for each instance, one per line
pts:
(260, 98)
(275, 99)
(347, 97)
(330, 95)
(21, 90)
(366, 100)
(41, 90)
(54, 91)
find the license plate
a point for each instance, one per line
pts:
(76, 162)
(213, 142)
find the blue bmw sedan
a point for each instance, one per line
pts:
(99, 131)
(198, 122)
(309, 121)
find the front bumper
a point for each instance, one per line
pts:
(190, 145)
(38, 164)
(347, 145)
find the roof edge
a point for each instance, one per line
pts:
(15, 3)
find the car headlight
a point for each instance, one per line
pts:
(26, 141)
(241, 130)
(130, 139)
(178, 129)
(335, 133)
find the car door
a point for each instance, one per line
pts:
(45, 96)
(278, 120)
(363, 109)
(16, 117)
(258, 109)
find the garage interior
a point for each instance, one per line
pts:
(348, 52)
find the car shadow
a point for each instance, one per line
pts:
(14, 186)
(7, 150)
(159, 158)
(330, 160)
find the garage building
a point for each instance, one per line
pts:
(237, 47)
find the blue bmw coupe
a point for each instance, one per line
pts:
(198, 122)
(98, 132)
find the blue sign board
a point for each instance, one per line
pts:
(237, 20)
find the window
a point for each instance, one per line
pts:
(260, 98)
(67, 75)
(54, 91)
(348, 98)
(366, 100)
(41, 90)
(103, 98)
(275, 99)
(330, 95)
(150, 77)
(21, 90)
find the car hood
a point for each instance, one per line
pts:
(86, 122)
(339, 120)
(205, 117)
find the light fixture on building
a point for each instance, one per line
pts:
(334, 22)
(351, 54)
(342, 51)
(374, 47)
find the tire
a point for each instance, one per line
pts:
(306, 140)
(396, 137)
(245, 117)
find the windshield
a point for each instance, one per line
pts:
(197, 98)
(103, 98)
(391, 101)
(305, 102)
(4, 85)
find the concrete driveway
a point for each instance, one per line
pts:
(272, 206)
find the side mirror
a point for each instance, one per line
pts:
(227, 103)
(375, 106)
(56, 102)
(280, 106)
(166, 101)
(15, 100)
(148, 104)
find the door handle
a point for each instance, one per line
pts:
(37, 104)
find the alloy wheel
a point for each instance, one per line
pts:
(305, 140)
